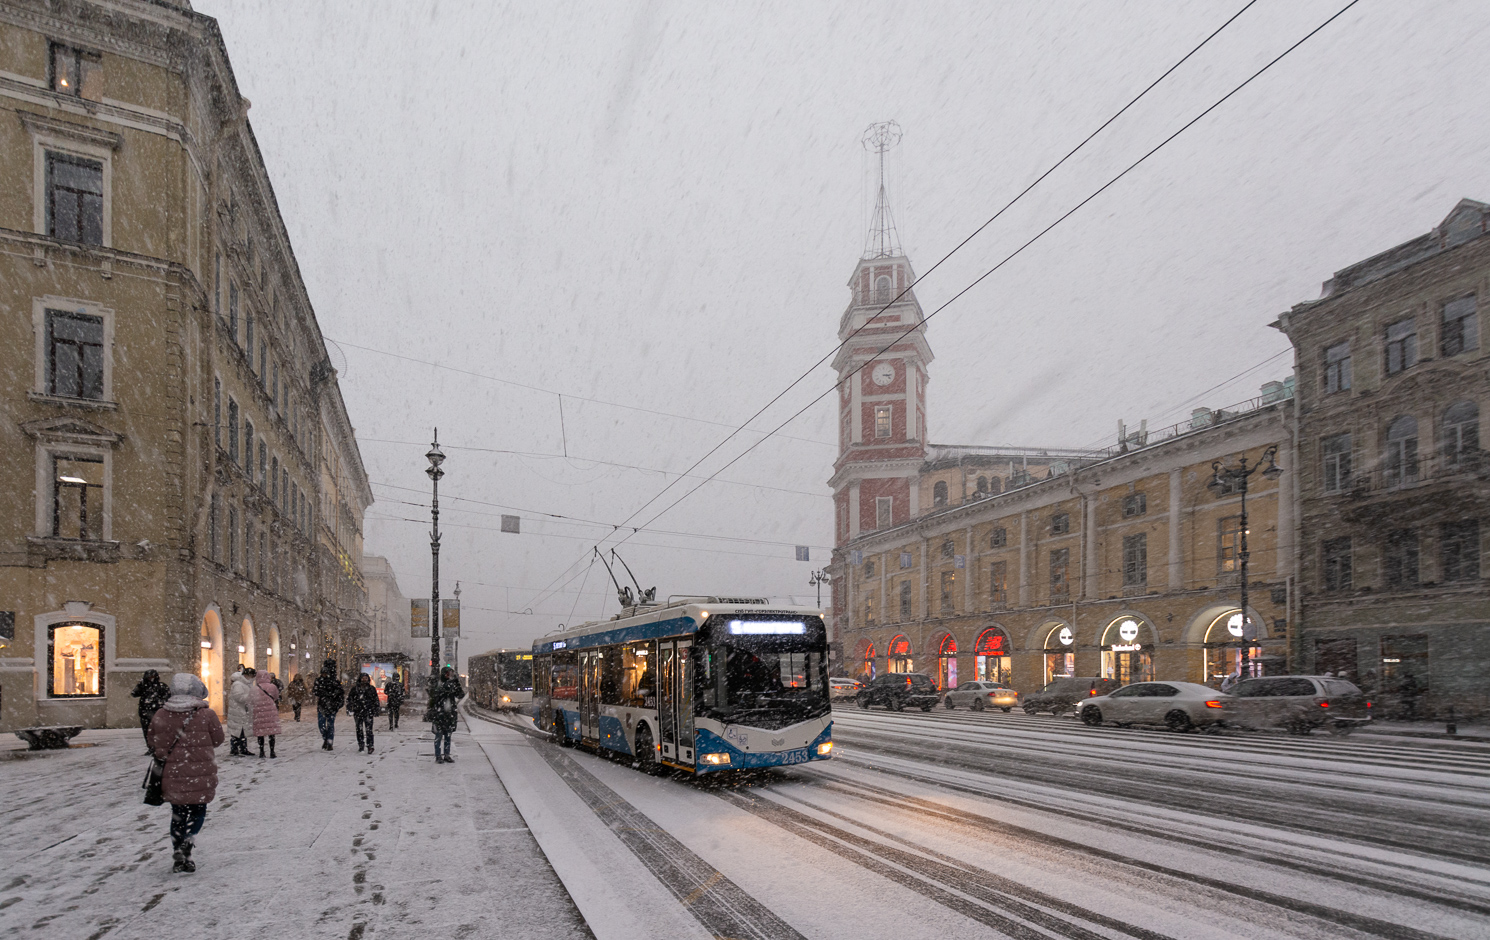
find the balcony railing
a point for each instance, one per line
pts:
(1434, 469)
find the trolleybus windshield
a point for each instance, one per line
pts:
(516, 672)
(764, 672)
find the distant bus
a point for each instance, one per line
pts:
(502, 679)
(700, 684)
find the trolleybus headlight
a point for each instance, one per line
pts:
(824, 749)
(506, 699)
(715, 759)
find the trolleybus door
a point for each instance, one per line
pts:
(589, 695)
(675, 701)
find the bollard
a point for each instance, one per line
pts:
(1453, 726)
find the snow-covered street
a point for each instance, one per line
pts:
(924, 824)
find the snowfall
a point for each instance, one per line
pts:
(941, 824)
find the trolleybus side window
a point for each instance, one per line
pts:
(566, 675)
(638, 678)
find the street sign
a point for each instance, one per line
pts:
(512, 524)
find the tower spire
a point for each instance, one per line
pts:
(883, 241)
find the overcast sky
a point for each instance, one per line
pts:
(658, 206)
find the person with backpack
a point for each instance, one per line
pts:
(297, 694)
(266, 710)
(394, 690)
(329, 695)
(152, 694)
(184, 734)
(444, 693)
(362, 705)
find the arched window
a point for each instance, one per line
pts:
(1402, 451)
(939, 493)
(884, 289)
(1223, 647)
(1460, 437)
(946, 662)
(991, 656)
(899, 655)
(868, 669)
(1127, 651)
(982, 487)
(247, 655)
(1060, 652)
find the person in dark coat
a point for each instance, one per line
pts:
(362, 704)
(329, 695)
(443, 696)
(152, 694)
(297, 694)
(184, 734)
(394, 690)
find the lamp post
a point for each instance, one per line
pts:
(1228, 480)
(817, 579)
(436, 457)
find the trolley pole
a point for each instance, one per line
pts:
(435, 459)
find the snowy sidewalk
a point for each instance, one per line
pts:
(312, 844)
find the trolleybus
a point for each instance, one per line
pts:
(699, 684)
(502, 679)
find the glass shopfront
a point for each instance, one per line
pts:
(899, 655)
(76, 660)
(992, 660)
(866, 668)
(946, 663)
(1060, 652)
(1127, 651)
(1223, 648)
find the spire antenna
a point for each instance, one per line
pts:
(883, 240)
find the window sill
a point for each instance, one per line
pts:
(91, 404)
(48, 548)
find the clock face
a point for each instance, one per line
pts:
(883, 374)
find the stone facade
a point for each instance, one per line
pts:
(1394, 383)
(180, 487)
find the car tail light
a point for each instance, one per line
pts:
(1213, 703)
(1368, 704)
(1324, 704)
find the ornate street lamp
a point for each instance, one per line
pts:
(817, 579)
(1224, 482)
(436, 457)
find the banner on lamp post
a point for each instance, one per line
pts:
(419, 617)
(449, 618)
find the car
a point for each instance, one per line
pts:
(1297, 704)
(1179, 706)
(1061, 694)
(981, 695)
(841, 687)
(896, 690)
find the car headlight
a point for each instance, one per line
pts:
(824, 749)
(718, 760)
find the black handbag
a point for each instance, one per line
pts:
(156, 774)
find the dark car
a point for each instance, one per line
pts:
(1061, 695)
(1298, 704)
(896, 690)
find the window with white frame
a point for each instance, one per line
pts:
(72, 179)
(883, 506)
(74, 194)
(77, 496)
(1336, 452)
(1402, 345)
(1460, 327)
(74, 343)
(1337, 368)
(76, 72)
(882, 421)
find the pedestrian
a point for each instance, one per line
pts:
(266, 710)
(183, 734)
(152, 694)
(329, 696)
(394, 690)
(240, 712)
(443, 696)
(297, 693)
(362, 704)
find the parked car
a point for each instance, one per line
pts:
(981, 695)
(1298, 704)
(896, 690)
(841, 687)
(1061, 695)
(1179, 706)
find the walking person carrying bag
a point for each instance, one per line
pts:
(183, 736)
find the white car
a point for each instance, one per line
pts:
(1179, 706)
(840, 688)
(981, 695)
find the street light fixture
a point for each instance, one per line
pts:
(1224, 482)
(436, 457)
(818, 579)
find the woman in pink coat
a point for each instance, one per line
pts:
(266, 710)
(184, 734)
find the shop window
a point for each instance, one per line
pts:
(74, 356)
(76, 660)
(998, 583)
(949, 592)
(1135, 504)
(75, 72)
(1336, 563)
(1336, 451)
(1400, 560)
(1460, 438)
(946, 662)
(1461, 328)
(1402, 346)
(1136, 561)
(1401, 465)
(1060, 570)
(1459, 550)
(905, 601)
(883, 507)
(882, 421)
(939, 493)
(867, 663)
(1224, 641)
(899, 655)
(1060, 523)
(991, 657)
(999, 539)
(1060, 653)
(1405, 665)
(1337, 368)
(1228, 545)
(1126, 656)
(74, 198)
(77, 497)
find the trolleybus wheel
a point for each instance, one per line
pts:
(646, 751)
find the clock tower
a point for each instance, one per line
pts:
(881, 380)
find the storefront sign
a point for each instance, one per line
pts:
(1234, 625)
(1128, 630)
(1127, 648)
(1066, 637)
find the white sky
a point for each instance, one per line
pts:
(660, 205)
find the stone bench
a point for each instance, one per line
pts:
(48, 739)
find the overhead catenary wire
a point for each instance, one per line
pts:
(1005, 208)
